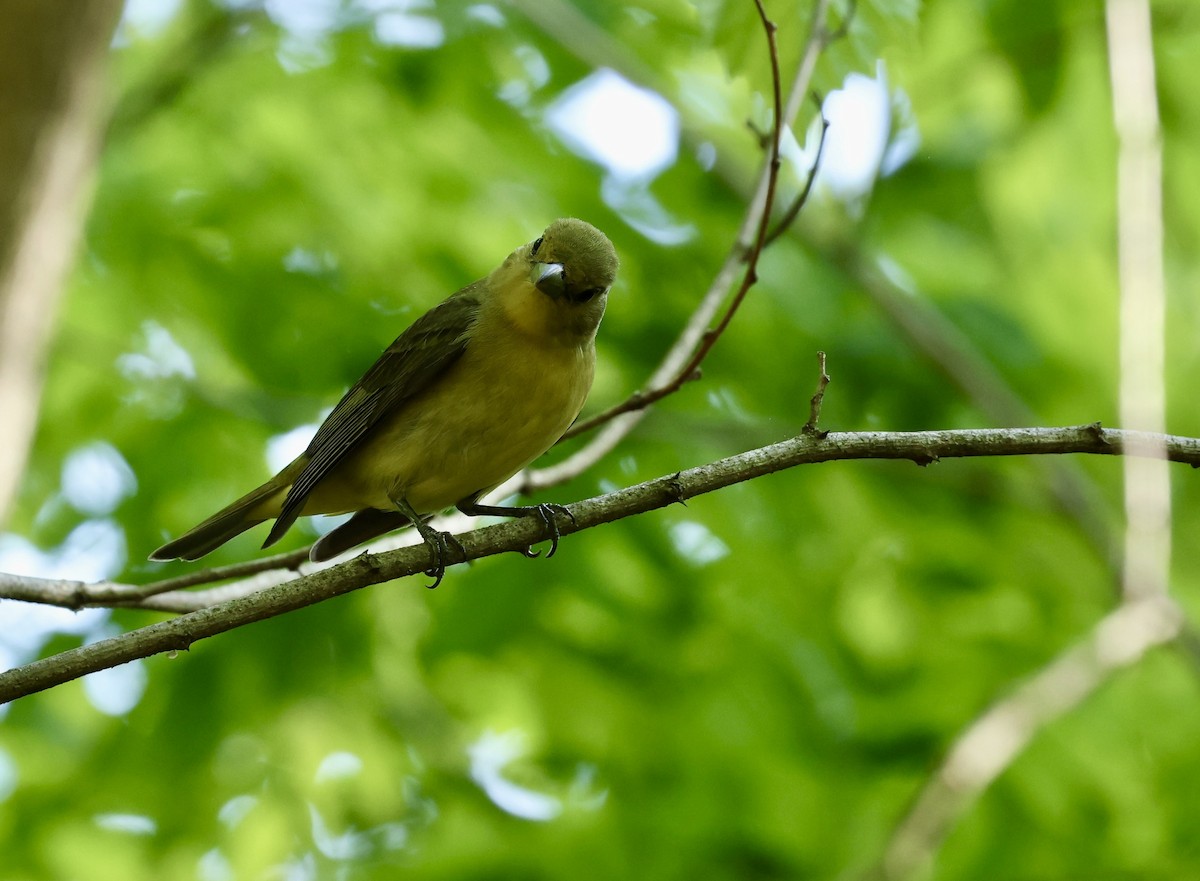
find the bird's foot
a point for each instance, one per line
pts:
(548, 513)
(439, 544)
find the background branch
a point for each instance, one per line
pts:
(53, 55)
(1146, 616)
(1143, 294)
(990, 744)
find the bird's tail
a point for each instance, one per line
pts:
(234, 519)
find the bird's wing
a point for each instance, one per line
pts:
(416, 360)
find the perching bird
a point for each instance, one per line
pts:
(472, 392)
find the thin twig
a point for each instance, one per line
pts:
(793, 211)
(750, 277)
(288, 561)
(814, 404)
(80, 595)
(77, 595)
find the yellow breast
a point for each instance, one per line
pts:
(504, 402)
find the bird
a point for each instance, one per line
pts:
(468, 395)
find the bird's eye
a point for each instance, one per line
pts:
(537, 245)
(584, 296)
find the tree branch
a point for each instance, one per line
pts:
(1143, 398)
(53, 54)
(923, 447)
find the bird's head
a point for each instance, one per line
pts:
(572, 261)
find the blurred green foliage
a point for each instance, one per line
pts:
(754, 686)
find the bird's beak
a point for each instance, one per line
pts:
(548, 278)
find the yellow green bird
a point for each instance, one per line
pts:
(472, 392)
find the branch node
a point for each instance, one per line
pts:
(763, 138)
(675, 489)
(80, 596)
(793, 211)
(368, 562)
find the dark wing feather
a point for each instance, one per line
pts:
(412, 363)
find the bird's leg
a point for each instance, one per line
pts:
(438, 541)
(546, 512)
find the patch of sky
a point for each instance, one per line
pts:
(155, 370)
(283, 448)
(8, 776)
(348, 845)
(696, 543)
(308, 19)
(338, 766)
(302, 868)
(96, 478)
(486, 13)
(871, 134)
(309, 262)
(630, 131)
(145, 19)
(161, 356)
(214, 866)
(130, 824)
(633, 134)
(116, 690)
(93, 551)
(306, 26)
(489, 755)
(236, 809)
(409, 30)
(534, 75)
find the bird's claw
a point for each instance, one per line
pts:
(439, 543)
(547, 512)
